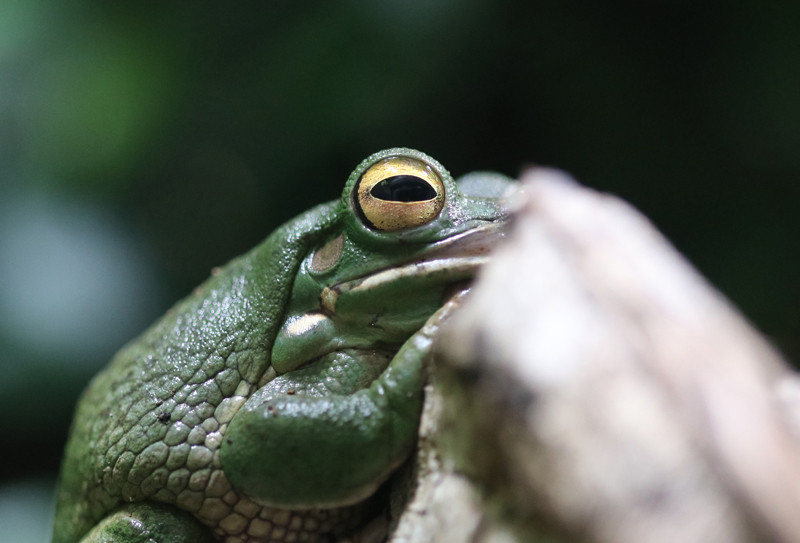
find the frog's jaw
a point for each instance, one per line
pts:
(389, 306)
(378, 311)
(386, 307)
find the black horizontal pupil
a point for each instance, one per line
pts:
(403, 188)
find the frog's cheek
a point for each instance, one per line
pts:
(304, 452)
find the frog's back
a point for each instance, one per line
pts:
(149, 425)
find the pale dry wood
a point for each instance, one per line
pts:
(595, 382)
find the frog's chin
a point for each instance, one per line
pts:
(385, 307)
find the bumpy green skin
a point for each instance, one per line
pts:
(144, 522)
(192, 417)
(186, 365)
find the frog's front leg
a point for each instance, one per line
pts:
(147, 522)
(298, 451)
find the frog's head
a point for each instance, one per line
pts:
(407, 235)
(339, 408)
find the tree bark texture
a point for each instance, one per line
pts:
(594, 387)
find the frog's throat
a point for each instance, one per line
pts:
(386, 307)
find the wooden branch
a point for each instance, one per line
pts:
(594, 387)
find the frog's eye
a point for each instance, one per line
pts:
(398, 193)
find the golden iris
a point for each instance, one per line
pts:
(398, 193)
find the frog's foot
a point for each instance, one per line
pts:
(148, 523)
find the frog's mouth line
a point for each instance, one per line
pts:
(452, 260)
(444, 270)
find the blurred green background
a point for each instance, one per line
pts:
(142, 143)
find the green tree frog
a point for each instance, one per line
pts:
(270, 404)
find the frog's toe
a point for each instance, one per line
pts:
(147, 523)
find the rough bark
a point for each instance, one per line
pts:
(595, 387)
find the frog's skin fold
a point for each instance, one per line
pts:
(273, 401)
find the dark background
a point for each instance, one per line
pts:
(142, 143)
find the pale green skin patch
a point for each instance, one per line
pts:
(274, 400)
